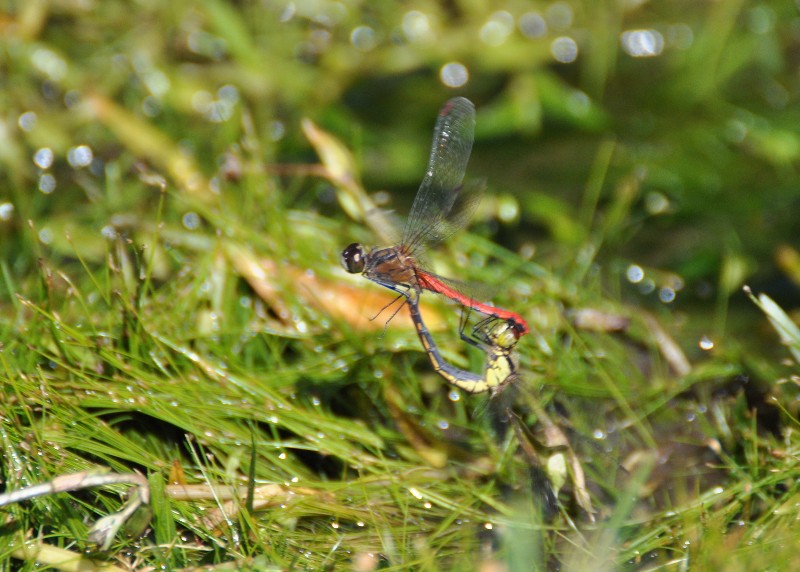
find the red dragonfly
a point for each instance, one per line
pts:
(440, 208)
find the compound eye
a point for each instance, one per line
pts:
(353, 258)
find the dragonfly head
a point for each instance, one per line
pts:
(353, 258)
(503, 335)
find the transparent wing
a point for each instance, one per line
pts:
(442, 204)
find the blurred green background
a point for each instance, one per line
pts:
(687, 108)
(640, 157)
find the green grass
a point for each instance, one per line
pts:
(177, 309)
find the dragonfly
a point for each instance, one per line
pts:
(441, 206)
(496, 337)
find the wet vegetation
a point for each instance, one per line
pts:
(178, 179)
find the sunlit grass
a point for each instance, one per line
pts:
(175, 308)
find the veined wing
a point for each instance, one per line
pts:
(442, 206)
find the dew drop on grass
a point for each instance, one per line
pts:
(191, 220)
(666, 295)
(532, 25)
(497, 29)
(416, 26)
(560, 16)
(277, 130)
(364, 38)
(454, 74)
(647, 286)
(6, 211)
(564, 49)
(47, 183)
(80, 156)
(43, 157)
(27, 121)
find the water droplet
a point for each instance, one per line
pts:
(634, 273)
(656, 203)
(497, 29)
(6, 211)
(443, 424)
(364, 38)
(288, 12)
(201, 100)
(191, 220)
(416, 26)
(666, 295)
(206, 44)
(508, 210)
(47, 183)
(706, 343)
(72, 98)
(277, 130)
(454, 74)
(454, 395)
(646, 286)
(642, 43)
(559, 16)
(49, 63)
(46, 236)
(532, 25)
(80, 156)
(43, 158)
(578, 102)
(564, 49)
(27, 121)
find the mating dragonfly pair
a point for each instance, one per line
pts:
(443, 205)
